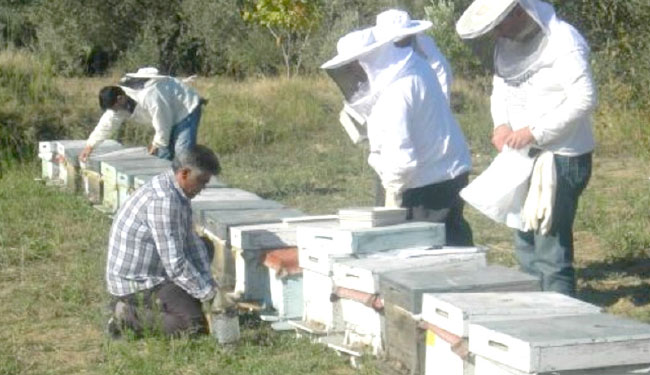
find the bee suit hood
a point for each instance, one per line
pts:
(516, 60)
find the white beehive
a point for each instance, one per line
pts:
(579, 342)
(91, 176)
(484, 366)
(49, 163)
(453, 312)
(318, 307)
(363, 274)
(370, 240)
(440, 357)
(370, 217)
(285, 279)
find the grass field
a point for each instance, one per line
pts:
(52, 243)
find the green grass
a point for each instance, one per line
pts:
(52, 244)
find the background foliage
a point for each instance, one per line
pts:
(71, 38)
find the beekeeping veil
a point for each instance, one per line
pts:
(516, 60)
(367, 58)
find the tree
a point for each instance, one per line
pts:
(291, 22)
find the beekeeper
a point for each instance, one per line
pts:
(157, 268)
(543, 97)
(416, 146)
(168, 104)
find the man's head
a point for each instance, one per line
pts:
(517, 25)
(113, 97)
(193, 169)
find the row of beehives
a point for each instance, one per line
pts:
(392, 291)
(397, 293)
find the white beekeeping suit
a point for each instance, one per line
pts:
(425, 46)
(354, 83)
(414, 138)
(162, 101)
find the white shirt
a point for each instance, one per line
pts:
(414, 138)
(556, 101)
(162, 103)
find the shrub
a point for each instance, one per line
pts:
(466, 58)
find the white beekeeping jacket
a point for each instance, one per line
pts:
(546, 84)
(426, 47)
(414, 137)
(162, 102)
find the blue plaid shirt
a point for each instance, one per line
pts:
(152, 241)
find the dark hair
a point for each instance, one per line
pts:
(405, 42)
(198, 157)
(108, 96)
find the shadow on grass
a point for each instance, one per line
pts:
(288, 193)
(638, 294)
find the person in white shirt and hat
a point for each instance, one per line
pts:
(416, 146)
(168, 104)
(543, 97)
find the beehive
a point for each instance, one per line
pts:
(403, 290)
(546, 344)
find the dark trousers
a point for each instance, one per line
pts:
(550, 257)
(440, 203)
(166, 309)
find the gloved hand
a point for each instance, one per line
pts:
(393, 198)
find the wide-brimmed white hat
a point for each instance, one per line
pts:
(482, 16)
(147, 72)
(392, 25)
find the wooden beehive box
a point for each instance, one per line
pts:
(484, 366)
(369, 240)
(68, 152)
(225, 194)
(441, 356)
(318, 307)
(223, 263)
(579, 342)
(453, 312)
(91, 175)
(403, 290)
(363, 324)
(285, 280)
(49, 163)
(363, 274)
(126, 178)
(109, 171)
(200, 207)
(371, 217)
(219, 222)
(249, 243)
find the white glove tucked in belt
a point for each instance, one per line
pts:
(538, 209)
(393, 198)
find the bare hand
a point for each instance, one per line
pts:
(152, 149)
(499, 136)
(85, 153)
(520, 138)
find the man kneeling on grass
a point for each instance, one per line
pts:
(158, 269)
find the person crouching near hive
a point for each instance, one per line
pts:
(543, 97)
(158, 268)
(416, 146)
